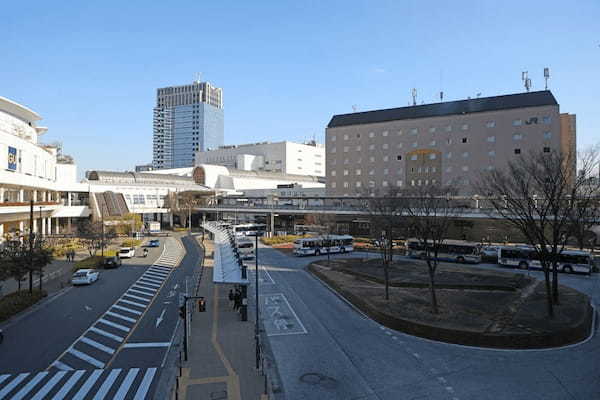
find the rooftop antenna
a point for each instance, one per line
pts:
(354, 108)
(526, 80)
(441, 96)
(414, 96)
(479, 95)
(198, 76)
(546, 76)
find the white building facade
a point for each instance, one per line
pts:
(33, 171)
(282, 157)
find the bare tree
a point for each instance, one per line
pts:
(326, 226)
(586, 211)
(93, 236)
(386, 210)
(182, 203)
(538, 194)
(430, 210)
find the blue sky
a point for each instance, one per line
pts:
(91, 70)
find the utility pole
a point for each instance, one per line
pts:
(256, 341)
(31, 246)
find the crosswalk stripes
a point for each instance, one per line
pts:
(96, 347)
(98, 384)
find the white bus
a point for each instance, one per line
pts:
(450, 250)
(249, 229)
(245, 248)
(323, 245)
(525, 257)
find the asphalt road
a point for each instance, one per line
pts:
(106, 340)
(325, 349)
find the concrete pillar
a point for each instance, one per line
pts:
(43, 227)
(21, 226)
(57, 225)
(34, 195)
(171, 220)
(21, 195)
(49, 226)
(1, 231)
(2, 194)
(69, 225)
(272, 215)
(35, 226)
(69, 199)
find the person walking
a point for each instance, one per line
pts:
(237, 299)
(231, 296)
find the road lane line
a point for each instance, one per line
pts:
(106, 385)
(114, 325)
(97, 345)
(106, 334)
(160, 268)
(124, 318)
(148, 282)
(122, 392)
(8, 388)
(88, 385)
(133, 303)
(61, 365)
(129, 310)
(145, 385)
(151, 344)
(86, 358)
(151, 279)
(67, 386)
(133, 296)
(154, 275)
(49, 385)
(140, 292)
(27, 388)
(145, 288)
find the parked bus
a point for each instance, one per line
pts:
(323, 245)
(249, 229)
(525, 257)
(450, 250)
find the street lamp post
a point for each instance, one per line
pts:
(256, 298)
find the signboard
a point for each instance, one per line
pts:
(12, 158)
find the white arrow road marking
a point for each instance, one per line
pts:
(159, 319)
(176, 286)
(88, 308)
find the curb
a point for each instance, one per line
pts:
(575, 336)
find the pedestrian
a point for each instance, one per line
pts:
(231, 296)
(67, 255)
(237, 300)
(72, 255)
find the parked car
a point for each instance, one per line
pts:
(85, 277)
(126, 252)
(112, 262)
(154, 243)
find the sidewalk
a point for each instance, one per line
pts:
(221, 360)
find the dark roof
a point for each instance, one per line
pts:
(519, 100)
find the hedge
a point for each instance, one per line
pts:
(280, 239)
(131, 243)
(16, 302)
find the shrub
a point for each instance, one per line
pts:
(280, 239)
(131, 243)
(16, 302)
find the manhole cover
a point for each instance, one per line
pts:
(315, 378)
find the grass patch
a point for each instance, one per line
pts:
(131, 243)
(16, 302)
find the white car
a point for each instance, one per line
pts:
(85, 277)
(126, 252)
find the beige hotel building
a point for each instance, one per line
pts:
(448, 142)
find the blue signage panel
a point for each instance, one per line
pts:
(12, 158)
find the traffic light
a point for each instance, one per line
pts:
(182, 311)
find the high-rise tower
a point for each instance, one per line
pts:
(187, 119)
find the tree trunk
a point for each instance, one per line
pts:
(30, 281)
(548, 293)
(434, 305)
(387, 280)
(555, 283)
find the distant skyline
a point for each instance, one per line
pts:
(92, 70)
